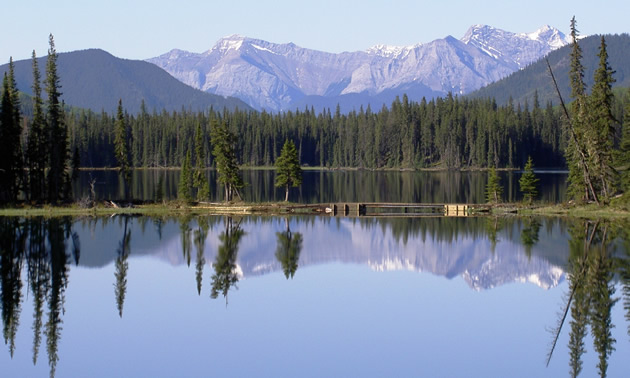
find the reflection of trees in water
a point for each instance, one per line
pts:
(225, 270)
(122, 266)
(529, 234)
(185, 231)
(288, 250)
(591, 270)
(200, 235)
(57, 231)
(624, 270)
(12, 240)
(41, 243)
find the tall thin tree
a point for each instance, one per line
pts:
(36, 143)
(121, 148)
(58, 178)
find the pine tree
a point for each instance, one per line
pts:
(223, 150)
(601, 131)
(623, 157)
(36, 153)
(58, 179)
(494, 189)
(200, 178)
(11, 165)
(529, 182)
(288, 170)
(580, 178)
(121, 148)
(184, 191)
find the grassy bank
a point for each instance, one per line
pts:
(615, 210)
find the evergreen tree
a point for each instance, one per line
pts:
(529, 182)
(121, 148)
(580, 179)
(36, 153)
(184, 191)
(200, 178)
(57, 131)
(288, 170)
(224, 152)
(601, 131)
(494, 189)
(623, 157)
(10, 131)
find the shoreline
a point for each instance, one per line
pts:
(103, 208)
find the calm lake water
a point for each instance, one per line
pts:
(333, 186)
(312, 296)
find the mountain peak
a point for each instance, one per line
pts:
(231, 42)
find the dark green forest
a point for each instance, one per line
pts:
(449, 133)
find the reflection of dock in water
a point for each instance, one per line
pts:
(389, 209)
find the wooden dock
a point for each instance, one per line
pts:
(390, 209)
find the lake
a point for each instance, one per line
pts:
(325, 186)
(128, 296)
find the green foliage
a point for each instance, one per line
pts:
(591, 129)
(184, 190)
(121, 147)
(10, 145)
(494, 189)
(58, 179)
(623, 156)
(601, 131)
(200, 179)
(224, 152)
(288, 170)
(529, 182)
(36, 149)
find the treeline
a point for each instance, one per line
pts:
(452, 132)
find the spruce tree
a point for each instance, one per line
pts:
(11, 165)
(184, 190)
(121, 148)
(288, 170)
(623, 157)
(580, 180)
(200, 178)
(36, 150)
(494, 189)
(529, 182)
(58, 179)
(224, 152)
(601, 130)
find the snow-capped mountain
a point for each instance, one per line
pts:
(285, 76)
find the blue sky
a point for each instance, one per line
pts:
(140, 29)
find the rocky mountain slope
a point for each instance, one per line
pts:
(280, 77)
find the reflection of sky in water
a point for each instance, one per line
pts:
(336, 317)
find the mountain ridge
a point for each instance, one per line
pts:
(280, 77)
(95, 79)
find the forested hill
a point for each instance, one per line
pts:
(522, 84)
(94, 79)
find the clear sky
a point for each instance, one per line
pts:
(141, 29)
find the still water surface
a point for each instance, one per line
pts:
(333, 186)
(310, 296)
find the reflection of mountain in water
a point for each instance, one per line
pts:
(441, 246)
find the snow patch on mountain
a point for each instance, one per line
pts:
(277, 76)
